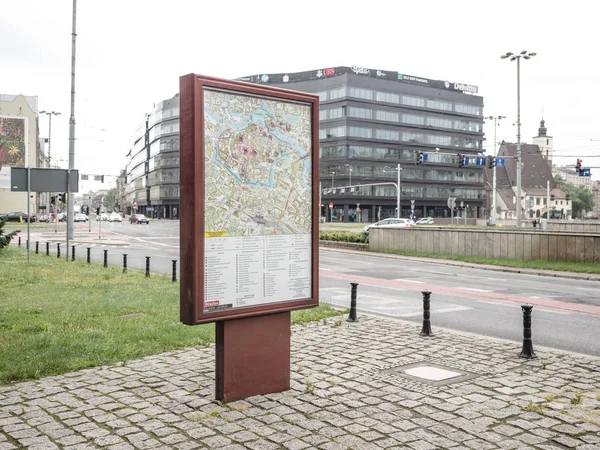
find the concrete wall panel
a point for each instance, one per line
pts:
(588, 251)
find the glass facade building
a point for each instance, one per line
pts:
(373, 120)
(151, 184)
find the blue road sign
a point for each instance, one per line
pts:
(499, 162)
(425, 157)
(585, 172)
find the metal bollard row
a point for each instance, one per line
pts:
(352, 316)
(426, 330)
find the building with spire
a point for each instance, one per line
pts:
(544, 142)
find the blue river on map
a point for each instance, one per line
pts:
(258, 118)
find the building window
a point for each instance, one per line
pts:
(537, 201)
(388, 97)
(322, 95)
(360, 132)
(367, 94)
(413, 101)
(332, 113)
(336, 93)
(84, 177)
(388, 135)
(466, 125)
(387, 116)
(436, 139)
(335, 132)
(361, 113)
(413, 137)
(413, 119)
(439, 122)
(438, 104)
(467, 109)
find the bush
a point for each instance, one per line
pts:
(5, 238)
(361, 237)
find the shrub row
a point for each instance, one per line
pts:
(345, 236)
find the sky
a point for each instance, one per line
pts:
(131, 53)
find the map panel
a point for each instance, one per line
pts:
(258, 200)
(258, 165)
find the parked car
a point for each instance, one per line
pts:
(103, 217)
(80, 218)
(425, 221)
(19, 216)
(115, 217)
(139, 218)
(391, 222)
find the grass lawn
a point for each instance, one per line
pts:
(58, 316)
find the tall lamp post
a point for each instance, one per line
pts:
(494, 209)
(49, 114)
(332, 180)
(512, 57)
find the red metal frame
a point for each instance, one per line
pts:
(192, 198)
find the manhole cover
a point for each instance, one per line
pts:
(430, 373)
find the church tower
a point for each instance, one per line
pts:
(544, 142)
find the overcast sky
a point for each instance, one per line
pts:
(131, 53)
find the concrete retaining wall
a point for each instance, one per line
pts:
(486, 243)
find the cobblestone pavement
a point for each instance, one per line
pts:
(349, 390)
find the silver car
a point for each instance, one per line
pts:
(391, 222)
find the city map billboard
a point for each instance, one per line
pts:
(13, 146)
(249, 199)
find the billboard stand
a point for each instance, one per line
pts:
(252, 356)
(28, 212)
(249, 224)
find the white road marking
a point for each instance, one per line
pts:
(409, 281)
(587, 289)
(346, 260)
(474, 289)
(441, 310)
(323, 268)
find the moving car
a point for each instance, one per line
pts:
(390, 223)
(115, 217)
(425, 221)
(103, 217)
(139, 218)
(80, 218)
(19, 216)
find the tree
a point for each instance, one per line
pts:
(5, 238)
(582, 199)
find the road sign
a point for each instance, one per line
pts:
(585, 172)
(412, 202)
(331, 206)
(499, 162)
(451, 201)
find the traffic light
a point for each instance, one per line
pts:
(53, 200)
(551, 197)
(62, 197)
(98, 211)
(420, 158)
(461, 160)
(491, 162)
(578, 166)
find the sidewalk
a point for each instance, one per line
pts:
(350, 389)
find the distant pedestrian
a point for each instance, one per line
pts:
(534, 223)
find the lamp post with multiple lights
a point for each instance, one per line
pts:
(494, 209)
(517, 57)
(49, 114)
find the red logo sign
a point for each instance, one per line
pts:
(331, 206)
(329, 72)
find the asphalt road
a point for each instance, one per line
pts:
(566, 313)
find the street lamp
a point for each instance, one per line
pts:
(495, 119)
(49, 114)
(512, 57)
(398, 169)
(350, 173)
(332, 184)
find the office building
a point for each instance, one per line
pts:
(371, 121)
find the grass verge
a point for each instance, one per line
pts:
(58, 316)
(561, 266)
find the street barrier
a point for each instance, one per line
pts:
(527, 351)
(105, 258)
(37, 247)
(426, 330)
(58, 249)
(147, 266)
(174, 270)
(352, 316)
(89, 249)
(124, 262)
(72, 253)
(47, 248)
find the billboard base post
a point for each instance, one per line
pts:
(252, 356)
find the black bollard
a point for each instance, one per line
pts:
(58, 249)
(124, 262)
(27, 244)
(527, 351)
(37, 247)
(426, 330)
(72, 253)
(89, 249)
(19, 241)
(174, 270)
(352, 316)
(105, 258)
(147, 266)
(47, 248)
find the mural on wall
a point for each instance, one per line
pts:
(12, 141)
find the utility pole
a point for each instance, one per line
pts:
(494, 193)
(70, 199)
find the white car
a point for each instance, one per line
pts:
(391, 222)
(115, 217)
(80, 218)
(103, 217)
(425, 221)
